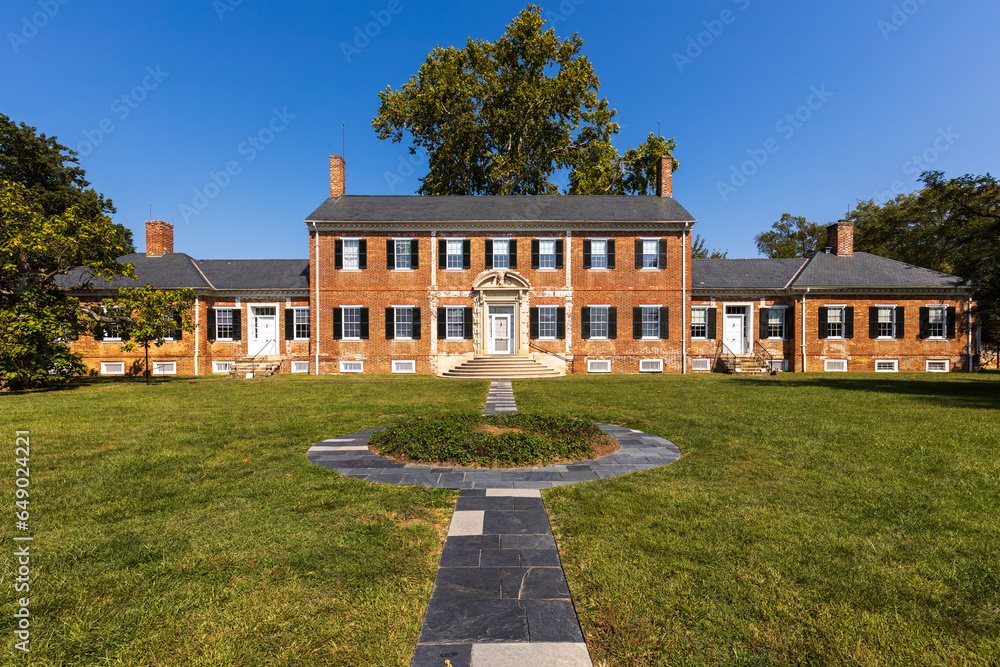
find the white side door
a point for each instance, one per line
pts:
(500, 334)
(733, 337)
(263, 332)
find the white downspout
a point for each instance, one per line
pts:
(969, 349)
(315, 316)
(804, 329)
(684, 307)
(197, 332)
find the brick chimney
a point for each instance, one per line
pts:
(665, 176)
(159, 238)
(338, 184)
(840, 238)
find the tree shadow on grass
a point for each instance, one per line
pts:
(981, 391)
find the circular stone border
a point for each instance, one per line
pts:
(349, 455)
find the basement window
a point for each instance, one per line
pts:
(598, 366)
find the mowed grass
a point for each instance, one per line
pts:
(181, 524)
(813, 520)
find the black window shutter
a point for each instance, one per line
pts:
(951, 322)
(585, 317)
(338, 324)
(664, 323)
(533, 323)
(612, 322)
(512, 249)
(638, 253)
(821, 319)
(125, 336)
(442, 254)
(637, 323)
(925, 321)
(211, 324)
(178, 330)
(534, 253)
(390, 254)
(900, 322)
(364, 324)
(289, 323)
(764, 314)
(611, 253)
(559, 253)
(363, 254)
(414, 254)
(849, 322)
(237, 324)
(416, 324)
(586, 255)
(338, 254)
(663, 255)
(713, 316)
(873, 321)
(442, 323)
(489, 254)
(467, 322)
(98, 332)
(560, 323)
(390, 323)
(467, 254)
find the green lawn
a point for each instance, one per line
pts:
(813, 519)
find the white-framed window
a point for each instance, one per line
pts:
(651, 322)
(650, 253)
(404, 366)
(937, 321)
(351, 318)
(835, 365)
(775, 322)
(453, 248)
(404, 322)
(701, 364)
(112, 331)
(598, 366)
(651, 365)
(598, 253)
(223, 324)
(454, 322)
(402, 254)
(112, 368)
(547, 321)
(352, 254)
(300, 366)
(886, 321)
(547, 254)
(301, 323)
(699, 323)
(222, 366)
(835, 322)
(777, 364)
(501, 253)
(938, 365)
(886, 365)
(598, 322)
(352, 366)
(164, 368)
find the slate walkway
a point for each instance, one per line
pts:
(500, 398)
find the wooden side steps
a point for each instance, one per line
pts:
(501, 367)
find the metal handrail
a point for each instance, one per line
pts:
(267, 344)
(728, 356)
(554, 354)
(766, 358)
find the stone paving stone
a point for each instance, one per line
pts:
(527, 541)
(434, 655)
(469, 582)
(528, 504)
(533, 485)
(484, 503)
(536, 654)
(466, 523)
(515, 523)
(525, 493)
(553, 621)
(500, 558)
(460, 557)
(539, 558)
(471, 620)
(533, 583)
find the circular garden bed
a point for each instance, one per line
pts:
(493, 441)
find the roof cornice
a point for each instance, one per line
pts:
(497, 225)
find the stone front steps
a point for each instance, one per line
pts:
(745, 364)
(257, 367)
(501, 367)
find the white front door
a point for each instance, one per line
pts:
(263, 331)
(734, 337)
(500, 334)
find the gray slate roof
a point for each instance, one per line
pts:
(730, 273)
(170, 271)
(256, 273)
(554, 208)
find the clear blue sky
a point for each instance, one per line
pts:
(158, 96)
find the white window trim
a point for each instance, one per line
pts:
(657, 306)
(359, 307)
(887, 305)
(591, 362)
(843, 324)
(158, 368)
(607, 324)
(554, 240)
(237, 312)
(404, 361)
(395, 322)
(461, 239)
(555, 323)
(358, 239)
(352, 361)
(105, 364)
(944, 327)
(396, 254)
(294, 327)
(707, 363)
(784, 322)
(946, 362)
(659, 365)
(657, 239)
(894, 362)
(599, 268)
(216, 366)
(827, 369)
(446, 309)
(705, 308)
(297, 364)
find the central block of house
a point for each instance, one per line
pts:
(424, 284)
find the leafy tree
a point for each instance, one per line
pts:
(501, 118)
(699, 251)
(792, 236)
(50, 224)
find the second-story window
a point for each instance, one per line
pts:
(403, 254)
(501, 254)
(351, 255)
(546, 253)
